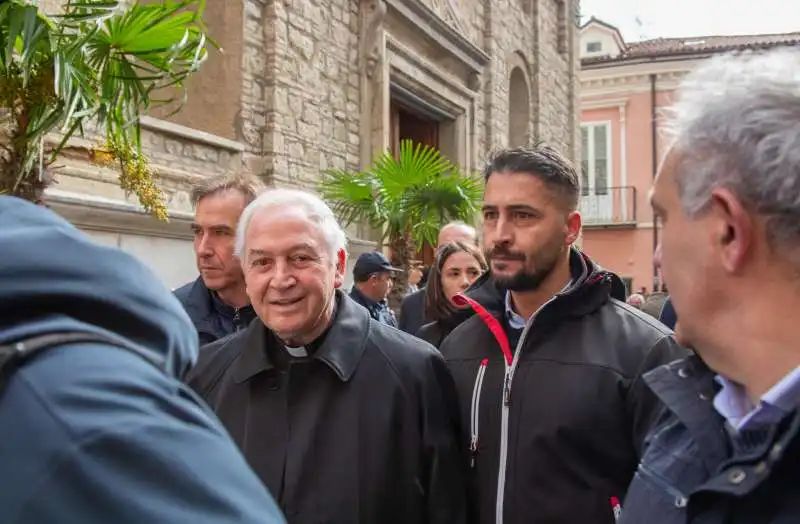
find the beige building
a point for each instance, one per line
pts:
(307, 85)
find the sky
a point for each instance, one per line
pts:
(682, 18)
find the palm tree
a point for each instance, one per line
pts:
(408, 199)
(96, 63)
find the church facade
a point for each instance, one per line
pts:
(302, 86)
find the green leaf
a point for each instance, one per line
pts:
(15, 20)
(95, 62)
(76, 124)
(412, 195)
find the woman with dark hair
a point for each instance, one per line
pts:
(457, 266)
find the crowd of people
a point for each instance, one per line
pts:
(520, 383)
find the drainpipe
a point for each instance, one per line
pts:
(654, 144)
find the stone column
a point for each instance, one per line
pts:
(374, 78)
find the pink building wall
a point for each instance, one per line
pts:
(628, 249)
(617, 80)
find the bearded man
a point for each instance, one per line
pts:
(549, 368)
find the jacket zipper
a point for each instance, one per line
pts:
(475, 412)
(509, 377)
(680, 499)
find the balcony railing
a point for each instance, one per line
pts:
(612, 206)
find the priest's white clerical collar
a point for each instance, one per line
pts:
(297, 352)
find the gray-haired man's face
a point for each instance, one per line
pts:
(214, 229)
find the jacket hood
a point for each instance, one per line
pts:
(591, 287)
(54, 278)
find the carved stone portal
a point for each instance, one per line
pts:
(373, 14)
(451, 11)
(374, 80)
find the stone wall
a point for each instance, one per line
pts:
(287, 82)
(297, 90)
(557, 74)
(311, 89)
(531, 35)
(313, 111)
(258, 59)
(214, 96)
(510, 40)
(89, 195)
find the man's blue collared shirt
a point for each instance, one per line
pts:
(733, 403)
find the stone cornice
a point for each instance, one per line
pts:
(629, 76)
(116, 216)
(86, 170)
(429, 68)
(631, 83)
(155, 124)
(604, 103)
(363, 245)
(431, 25)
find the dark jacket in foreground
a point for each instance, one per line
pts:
(691, 473)
(435, 332)
(212, 319)
(95, 432)
(364, 431)
(555, 425)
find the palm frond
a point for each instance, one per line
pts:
(352, 196)
(96, 61)
(412, 195)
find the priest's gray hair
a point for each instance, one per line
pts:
(736, 124)
(315, 208)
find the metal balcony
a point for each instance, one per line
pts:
(608, 207)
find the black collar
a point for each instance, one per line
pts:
(359, 296)
(590, 289)
(341, 350)
(202, 303)
(221, 307)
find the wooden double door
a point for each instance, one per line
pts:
(408, 125)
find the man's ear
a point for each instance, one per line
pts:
(573, 227)
(732, 230)
(341, 268)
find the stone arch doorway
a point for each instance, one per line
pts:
(519, 108)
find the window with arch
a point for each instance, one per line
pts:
(519, 108)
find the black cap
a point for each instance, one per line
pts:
(370, 263)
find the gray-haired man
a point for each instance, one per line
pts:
(216, 301)
(727, 449)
